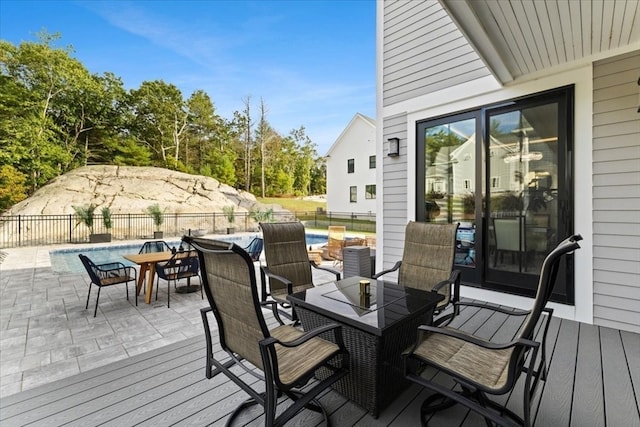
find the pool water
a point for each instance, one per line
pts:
(67, 260)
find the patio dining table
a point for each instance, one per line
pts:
(376, 329)
(147, 263)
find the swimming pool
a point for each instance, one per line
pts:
(67, 260)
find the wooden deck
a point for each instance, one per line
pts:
(594, 380)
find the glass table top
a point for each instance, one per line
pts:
(386, 305)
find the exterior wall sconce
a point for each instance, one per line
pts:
(394, 147)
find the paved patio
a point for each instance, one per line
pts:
(46, 334)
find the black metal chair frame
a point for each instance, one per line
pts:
(274, 387)
(179, 266)
(523, 358)
(108, 274)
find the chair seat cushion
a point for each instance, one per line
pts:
(483, 367)
(295, 363)
(113, 280)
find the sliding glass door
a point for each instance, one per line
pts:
(504, 174)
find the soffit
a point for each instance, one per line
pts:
(520, 37)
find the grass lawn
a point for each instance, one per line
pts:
(306, 212)
(293, 204)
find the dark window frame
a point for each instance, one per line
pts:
(564, 96)
(353, 194)
(370, 195)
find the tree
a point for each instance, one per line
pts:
(264, 133)
(55, 116)
(160, 120)
(247, 141)
(107, 138)
(319, 176)
(39, 79)
(13, 188)
(306, 159)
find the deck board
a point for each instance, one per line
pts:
(588, 400)
(619, 397)
(555, 405)
(594, 379)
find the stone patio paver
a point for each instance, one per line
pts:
(47, 334)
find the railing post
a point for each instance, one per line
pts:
(19, 231)
(70, 228)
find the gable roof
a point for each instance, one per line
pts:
(357, 117)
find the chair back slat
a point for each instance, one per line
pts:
(229, 281)
(91, 268)
(428, 257)
(154, 246)
(285, 252)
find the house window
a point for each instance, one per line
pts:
(372, 162)
(495, 182)
(351, 165)
(370, 192)
(353, 194)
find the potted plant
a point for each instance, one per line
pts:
(106, 221)
(84, 215)
(158, 218)
(230, 213)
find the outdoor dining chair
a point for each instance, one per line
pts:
(288, 268)
(286, 358)
(481, 368)
(154, 246)
(181, 265)
(427, 263)
(336, 235)
(113, 273)
(254, 248)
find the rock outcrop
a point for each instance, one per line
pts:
(192, 203)
(131, 189)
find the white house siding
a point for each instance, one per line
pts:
(395, 207)
(616, 192)
(357, 142)
(424, 51)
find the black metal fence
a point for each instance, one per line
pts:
(34, 230)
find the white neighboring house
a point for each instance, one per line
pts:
(351, 168)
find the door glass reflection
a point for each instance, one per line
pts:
(522, 180)
(450, 188)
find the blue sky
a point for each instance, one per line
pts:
(313, 62)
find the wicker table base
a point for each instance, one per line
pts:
(376, 373)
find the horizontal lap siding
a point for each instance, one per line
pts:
(616, 192)
(395, 190)
(424, 51)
